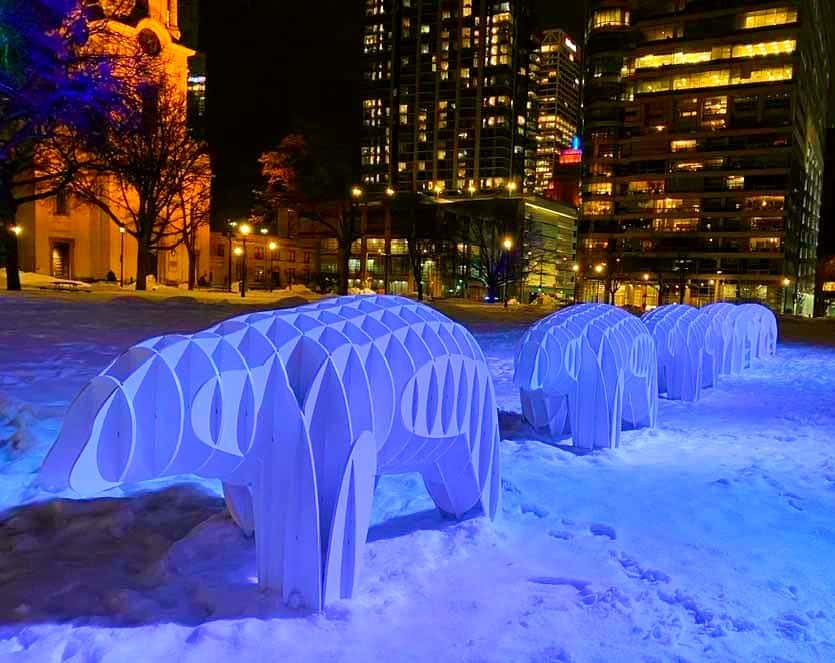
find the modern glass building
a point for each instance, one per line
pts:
(445, 97)
(554, 98)
(703, 151)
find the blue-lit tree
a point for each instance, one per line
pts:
(56, 95)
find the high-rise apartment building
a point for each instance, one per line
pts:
(445, 99)
(703, 150)
(554, 98)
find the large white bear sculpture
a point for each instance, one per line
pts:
(686, 346)
(297, 411)
(744, 332)
(587, 371)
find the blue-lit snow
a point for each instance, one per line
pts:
(711, 538)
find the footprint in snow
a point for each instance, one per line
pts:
(601, 529)
(634, 570)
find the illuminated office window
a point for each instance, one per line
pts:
(609, 17)
(655, 85)
(597, 208)
(766, 17)
(714, 78)
(783, 47)
(600, 189)
(763, 75)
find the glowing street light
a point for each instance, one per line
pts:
(575, 268)
(390, 191)
(272, 246)
(264, 231)
(356, 192)
(17, 230)
(511, 187)
(598, 268)
(471, 189)
(508, 243)
(646, 277)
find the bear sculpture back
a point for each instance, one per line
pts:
(745, 332)
(687, 349)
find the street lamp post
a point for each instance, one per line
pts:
(12, 257)
(598, 269)
(245, 229)
(238, 251)
(576, 269)
(390, 193)
(786, 284)
(230, 230)
(272, 246)
(121, 256)
(356, 195)
(508, 245)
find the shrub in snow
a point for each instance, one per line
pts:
(587, 371)
(545, 300)
(686, 348)
(745, 332)
(296, 410)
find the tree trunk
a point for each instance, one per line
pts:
(344, 261)
(143, 256)
(192, 268)
(12, 258)
(419, 285)
(493, 287)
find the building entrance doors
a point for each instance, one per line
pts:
(61, 260)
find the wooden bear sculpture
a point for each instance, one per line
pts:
(587, 371)
(745, 332)
(687, 349)
(296, 411)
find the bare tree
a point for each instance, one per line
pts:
(295, 178)
(490, 262)
(193, 201)
(142, 171)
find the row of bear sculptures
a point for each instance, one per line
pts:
(591, 370)
(298, 411)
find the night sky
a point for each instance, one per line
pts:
(277, 66)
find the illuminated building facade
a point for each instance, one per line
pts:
(554, 105)
(445, 95)
(66, 239)
(703, 151)
(825, 281)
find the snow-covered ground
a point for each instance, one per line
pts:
(711, 538)
(35, 284)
